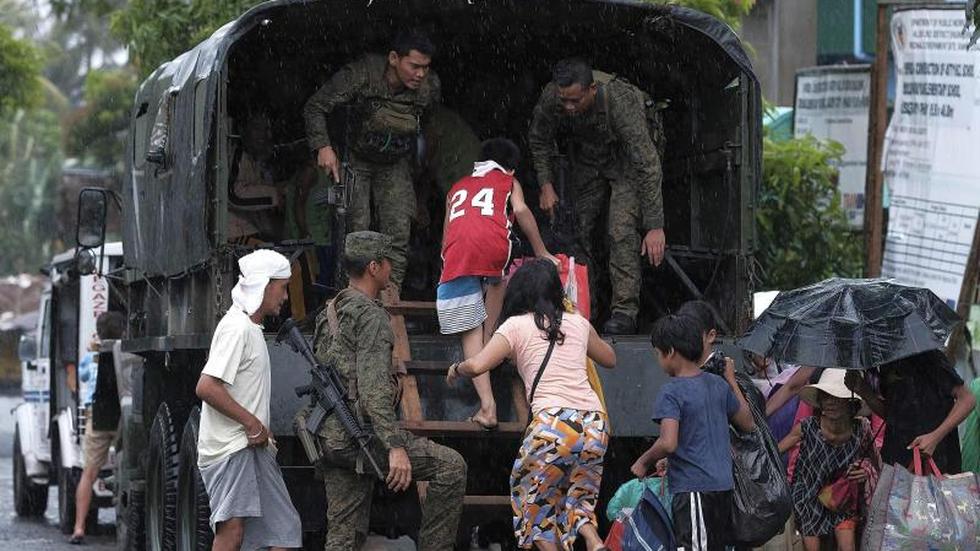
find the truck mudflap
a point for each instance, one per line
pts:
(34, 445)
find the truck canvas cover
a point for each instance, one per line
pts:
(170, 207)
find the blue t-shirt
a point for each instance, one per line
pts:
(701, 405)
(88, 373)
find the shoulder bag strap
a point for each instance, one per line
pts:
(537, 378)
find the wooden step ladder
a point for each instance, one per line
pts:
(413, 418)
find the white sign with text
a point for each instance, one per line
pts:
(930, 159)
(833, 103)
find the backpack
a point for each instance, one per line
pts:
(647, 527)
(652, 110)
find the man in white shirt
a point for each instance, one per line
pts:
(250, 507)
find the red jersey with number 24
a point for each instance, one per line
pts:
(477, 236)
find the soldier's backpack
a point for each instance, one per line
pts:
(653, 110)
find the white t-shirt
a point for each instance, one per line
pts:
(240, 358)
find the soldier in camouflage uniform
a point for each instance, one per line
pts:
(615, 168)
(387, 96)
(354, 332)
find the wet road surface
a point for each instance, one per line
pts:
(42, 534)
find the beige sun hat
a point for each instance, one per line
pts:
(832, 382)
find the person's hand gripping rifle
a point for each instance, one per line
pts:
(327, 393)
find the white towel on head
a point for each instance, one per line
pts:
(257, 269)
(482, 168)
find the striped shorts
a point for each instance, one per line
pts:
(459, 304)
(702, 520)
(554, 484)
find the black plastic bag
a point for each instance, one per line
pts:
(761, 500)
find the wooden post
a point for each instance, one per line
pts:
(873, 209)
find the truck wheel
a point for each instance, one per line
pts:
(67, 484)
(130, 493)
(30, 499)
(193, 506)
(161, 483)
(130, 527)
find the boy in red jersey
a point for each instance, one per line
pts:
(476, 249)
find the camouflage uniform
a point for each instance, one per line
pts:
(382, 131)
(453, 147)
(361, 346)
(615, 168)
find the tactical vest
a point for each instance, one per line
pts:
(386, 130)
(588, 148)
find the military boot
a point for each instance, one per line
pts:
(619, 324)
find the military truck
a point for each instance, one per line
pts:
(495, 55)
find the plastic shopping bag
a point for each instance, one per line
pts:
(761, 501)
(922, 510)
(574, 281)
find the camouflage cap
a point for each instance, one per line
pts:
(367, 246)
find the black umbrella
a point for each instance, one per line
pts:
(851, 324)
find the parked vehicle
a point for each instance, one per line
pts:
(49, 424)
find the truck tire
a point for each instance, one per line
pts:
(130, 493)
(30, 499)
(68, 478)
(130, 526)
(161, 483)
(193, 506)
(67, 484)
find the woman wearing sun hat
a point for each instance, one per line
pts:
(837, 466)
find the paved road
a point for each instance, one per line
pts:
(37, 534)
(43, 534)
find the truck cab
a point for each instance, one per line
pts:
(50, 423)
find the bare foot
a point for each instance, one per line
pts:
(487, 420)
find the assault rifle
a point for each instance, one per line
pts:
(563, 220)
(327, 393)
(339, 195)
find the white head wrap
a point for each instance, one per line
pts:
(482, 168)
(257, 269)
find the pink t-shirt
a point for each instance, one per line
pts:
(565, 382)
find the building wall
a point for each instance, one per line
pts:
(783, 35)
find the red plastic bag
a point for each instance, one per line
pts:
(574, 280)
(614, 540)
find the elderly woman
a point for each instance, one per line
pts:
(555, 479)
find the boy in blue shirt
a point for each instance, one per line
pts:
(694, 409)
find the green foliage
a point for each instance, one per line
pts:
(729, 11)
(159, 30)
(803, 232)
(20, 66)
(30, 170)
(96, 132)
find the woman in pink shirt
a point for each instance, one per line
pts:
(555, 479)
